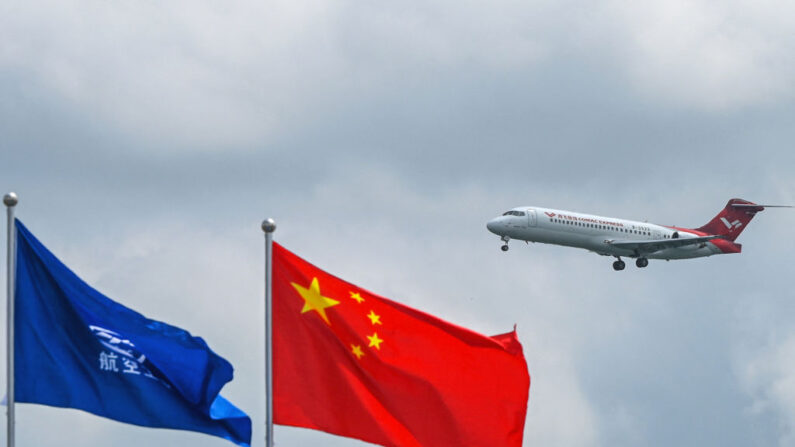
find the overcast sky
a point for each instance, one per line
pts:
(147, 141)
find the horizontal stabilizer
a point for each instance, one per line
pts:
(748, 205)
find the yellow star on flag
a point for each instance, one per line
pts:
(375, 341)
(374, 318)
(357, 351)
(313, 300)
(357, 297)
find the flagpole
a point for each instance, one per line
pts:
(268, 226)
(10, 200)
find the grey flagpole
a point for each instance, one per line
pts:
(268, 226)
(10, 200)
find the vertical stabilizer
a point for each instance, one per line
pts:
(733, 219)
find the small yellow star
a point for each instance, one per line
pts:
(357, 351)
(313, 300)
(357, 297)
(374, 318)
(375, 341)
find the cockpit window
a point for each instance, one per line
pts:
(513, 213)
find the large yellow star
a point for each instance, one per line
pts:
(313, 300)
(375, 341)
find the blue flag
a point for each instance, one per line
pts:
(76, 348)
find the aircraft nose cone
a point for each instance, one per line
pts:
(493, 226)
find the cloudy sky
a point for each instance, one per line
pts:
(147, 141)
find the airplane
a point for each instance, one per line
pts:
(610, 236)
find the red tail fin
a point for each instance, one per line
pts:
(732, 220)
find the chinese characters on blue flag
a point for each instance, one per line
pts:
(76, 348)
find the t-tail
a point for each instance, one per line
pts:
(733, 219)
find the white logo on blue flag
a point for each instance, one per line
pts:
(131, 361)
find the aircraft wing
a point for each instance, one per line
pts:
(647, 246)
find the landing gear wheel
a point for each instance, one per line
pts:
(619, 265)
(504, 247)
(642, 262)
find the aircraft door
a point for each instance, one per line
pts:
(531, 217)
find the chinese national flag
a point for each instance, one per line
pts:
(351, 363)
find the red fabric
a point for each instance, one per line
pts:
(431, 383)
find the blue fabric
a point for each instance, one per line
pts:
(76, 348)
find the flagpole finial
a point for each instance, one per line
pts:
(269, 225)
(11, 199)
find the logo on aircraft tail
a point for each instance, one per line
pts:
(731, 225)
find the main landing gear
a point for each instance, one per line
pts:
(505, 239)
(620, 265)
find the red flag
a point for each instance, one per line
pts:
(351, 363)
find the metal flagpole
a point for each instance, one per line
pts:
(268, 226)
(10, 200)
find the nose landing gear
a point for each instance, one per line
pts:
(505, 239)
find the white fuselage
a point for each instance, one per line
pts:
(594, 233)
